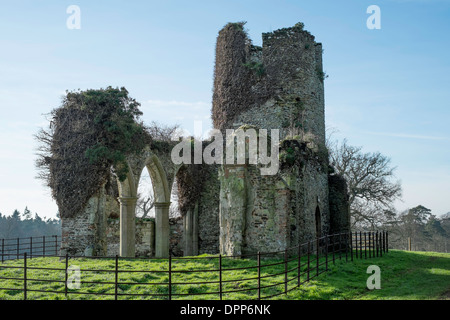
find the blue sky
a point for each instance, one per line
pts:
(388, 90)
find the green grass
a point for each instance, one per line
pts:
(404, 275)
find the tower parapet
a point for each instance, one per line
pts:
(276, 86)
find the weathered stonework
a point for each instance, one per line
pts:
(276, 86)
(339, 204)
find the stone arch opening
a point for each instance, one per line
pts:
(161, 192)
(128, 197)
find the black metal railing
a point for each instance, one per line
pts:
(14, 248)
(266, 275)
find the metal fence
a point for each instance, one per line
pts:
(266, 275)
(14, 248)
(410, 244)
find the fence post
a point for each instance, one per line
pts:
(31, 247)
(376, 243)
(309, 258)
(360, 245)
(381, 243)
(25, 276)
(374, 250)
(67, 275)
(43, 246)
(116, 277)
(259, 275)
(365, 245)
(170, 277)
(17, 249)
(346, 249)
(285, 271)
(56, 245)
(326, 253)
(387, 241)
(334, 261)
(356, 244)
(370, 244)
(3, 250)
(299, 267)
(351, 244)
(220, 276)
(317, 257)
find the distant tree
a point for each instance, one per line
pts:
(434, 229)
(445, 222)
(414, 220)
(27, 214)
(10, 225)
(371, 188)
(418, 224)
(23, 225)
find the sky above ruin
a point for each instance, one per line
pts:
(387, 90)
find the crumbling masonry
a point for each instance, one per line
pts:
(236, 210)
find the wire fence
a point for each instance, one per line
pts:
(410, 244)
(257, 276)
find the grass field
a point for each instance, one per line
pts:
(404, 276)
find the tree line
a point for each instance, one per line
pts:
(419, 228)
(25, 224)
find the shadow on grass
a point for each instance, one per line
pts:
(404, 276)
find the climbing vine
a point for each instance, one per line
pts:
(86, 145)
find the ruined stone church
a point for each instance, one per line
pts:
(232, 209)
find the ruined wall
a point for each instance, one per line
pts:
(96, 231)
(85, 233)
(145, 237)
(339, 204)
(208, 213)
(271, 213)
(176, 236)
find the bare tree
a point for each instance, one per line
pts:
(44, 137)
(146, 200)
(369, 177)
(161, 132)
(174, 211)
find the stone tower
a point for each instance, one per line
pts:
(276, 86)
(279, 85)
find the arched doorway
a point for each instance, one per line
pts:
(128, 197)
